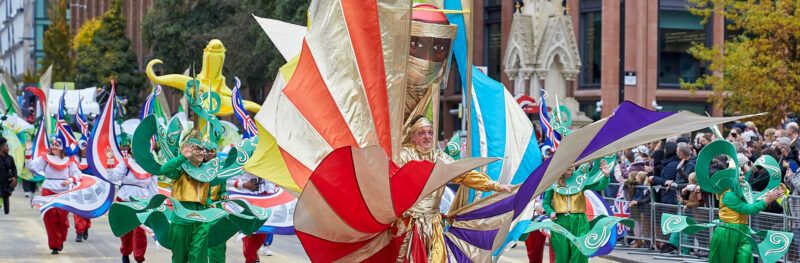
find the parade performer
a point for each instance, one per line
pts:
(60, 173)
(138, 184)
(215, 193)
(421, 224)
(567, 209)
(184, 228)
(188, 239)
(82, 224)
(733, 240)
(250, 184)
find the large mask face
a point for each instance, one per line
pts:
(427, 58)
(431, 39)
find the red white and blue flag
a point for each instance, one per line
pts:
(103, 136)
(551, 137)
(147, 109)
(80, 120)
(621, 208)
(63, 131)
(149, 103)
(249, 127)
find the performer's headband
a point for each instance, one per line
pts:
(421, 122)
(422, 29)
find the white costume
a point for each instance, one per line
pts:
(135, 181)
(55, 170)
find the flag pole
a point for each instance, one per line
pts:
(468, 92)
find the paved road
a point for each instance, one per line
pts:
(23, 239)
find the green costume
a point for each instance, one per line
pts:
(186, 226)
(733, 212)
(569, 204)
(733, 240)
(217, 254)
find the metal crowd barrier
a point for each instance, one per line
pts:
(648, 224)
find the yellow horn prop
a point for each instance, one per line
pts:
(210, 75)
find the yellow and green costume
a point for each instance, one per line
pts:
(184, 228)
(217, 254)
(189, 239)
(733, 239)
(569, 204)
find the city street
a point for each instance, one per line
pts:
(24, 240)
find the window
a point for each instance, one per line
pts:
(676, 33)
(696, 107)
(591, 55)
(494, 44)
(493, 37)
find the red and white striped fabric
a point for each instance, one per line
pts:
(346, 88)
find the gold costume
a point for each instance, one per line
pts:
(727, 215)
(569, 204)
(187, 189)
(425, 214)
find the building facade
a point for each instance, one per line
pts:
(16, 35)
(82, 11)
(652, 43)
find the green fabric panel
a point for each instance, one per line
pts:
(600, 230)
(772, 249)
(125, 216)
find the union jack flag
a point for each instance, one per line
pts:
(80, 120)
(551, 137)
(249, 129)
(621, 208)
(149, 103)
(63, 131)
(147, 109)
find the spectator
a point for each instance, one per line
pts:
(640, 185)
(789, 117)
(691, 195)
(769, 136)
(737, 123)
(675, 172)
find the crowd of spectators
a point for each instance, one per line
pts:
(664, 172)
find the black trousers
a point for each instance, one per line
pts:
(28, 186)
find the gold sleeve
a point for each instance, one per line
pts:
(477, 181)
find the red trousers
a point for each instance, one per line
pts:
(136, 242)
(56, 224)
(81, 224)
(535, 245)
(250, 246)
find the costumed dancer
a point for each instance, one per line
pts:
(189, 239)
(215, 193)
(728, 245)
(568, 210)
(138, 184)
(82, 224)
(422, 224)
(60, 174)
(733, 240)
(251, 184)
